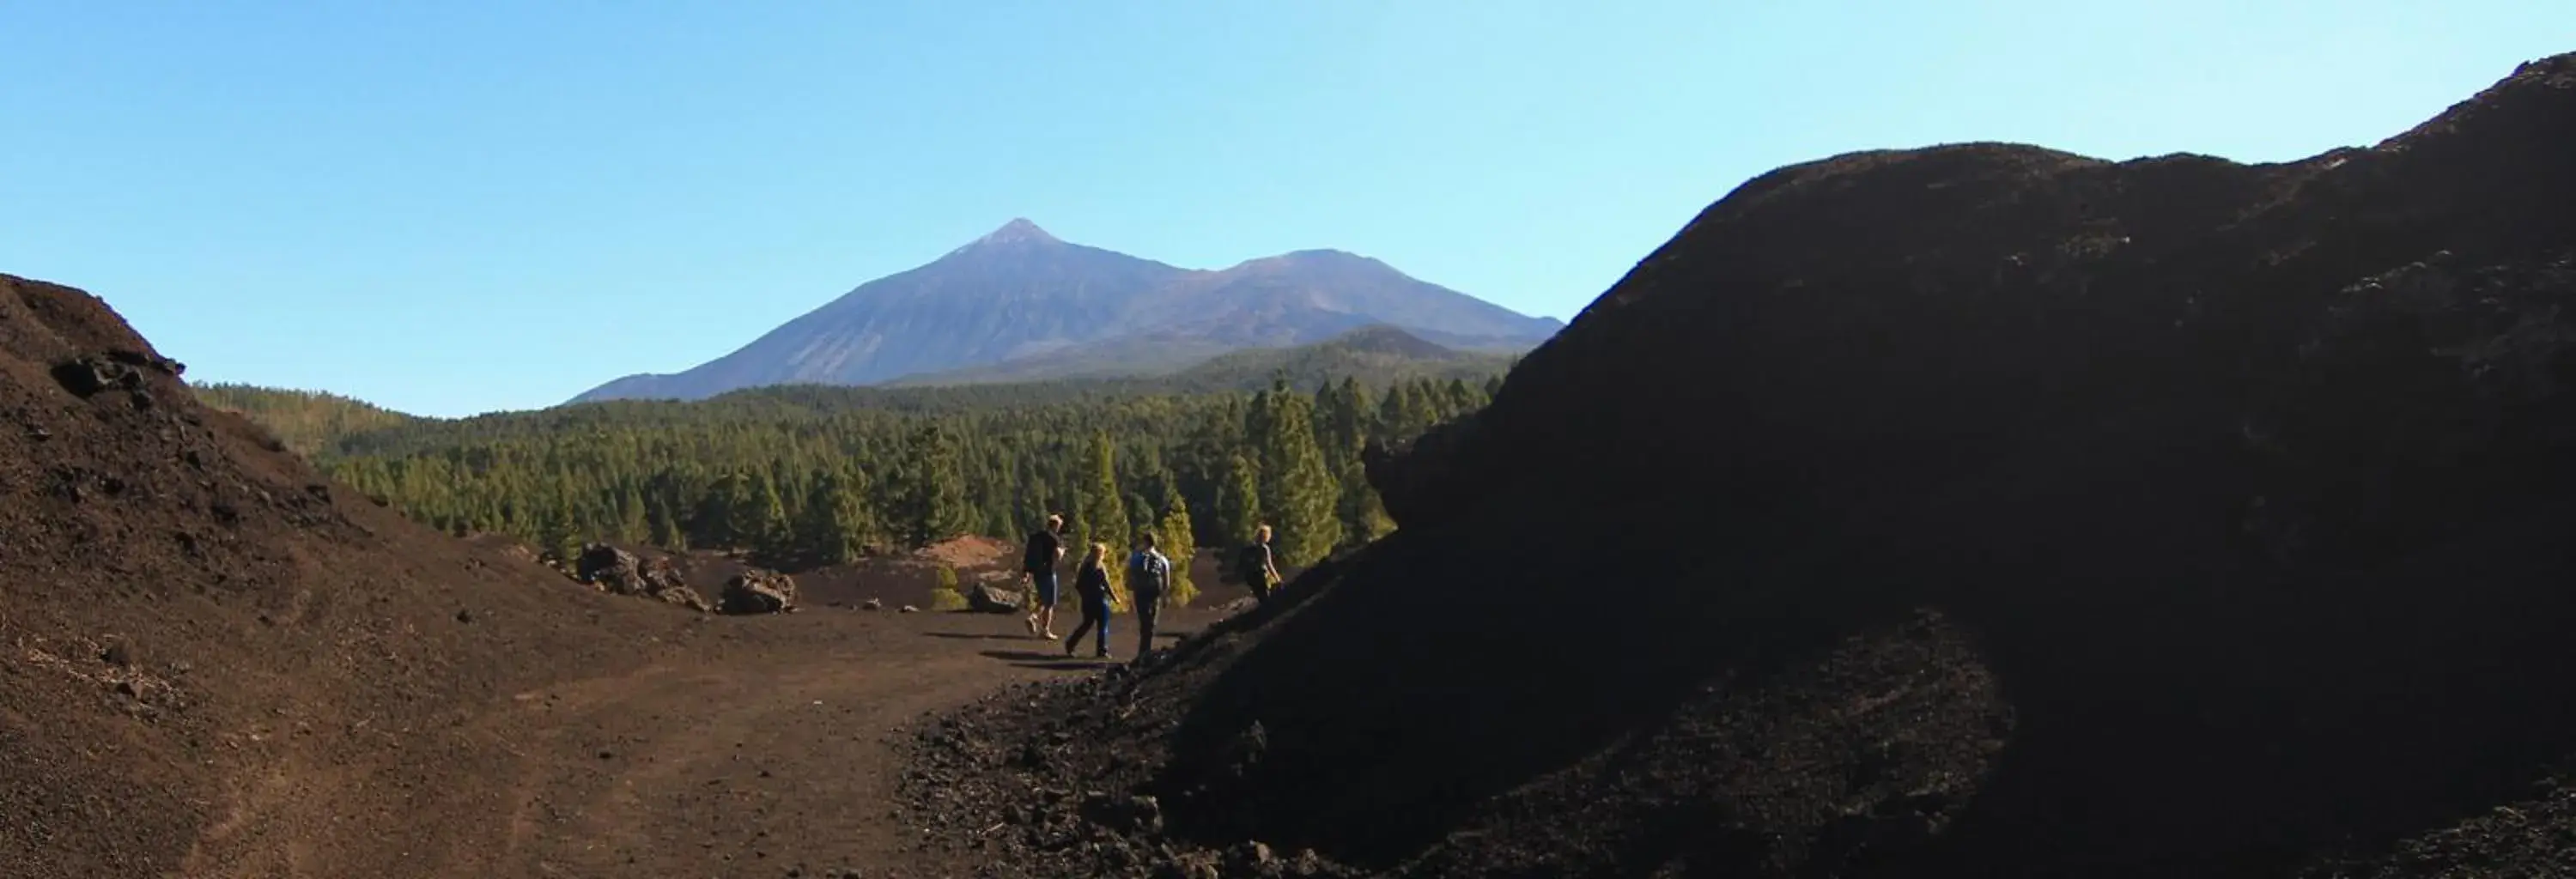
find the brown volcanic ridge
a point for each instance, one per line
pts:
(1980, 510)
(204, 643)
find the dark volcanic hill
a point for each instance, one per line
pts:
(1020, 294)
(1982, 510)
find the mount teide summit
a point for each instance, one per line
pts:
(1021, 293)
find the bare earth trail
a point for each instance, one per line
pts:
(772, 745)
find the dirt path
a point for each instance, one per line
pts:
(776, 747)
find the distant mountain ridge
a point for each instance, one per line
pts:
(1049, 309)
(1374, 354)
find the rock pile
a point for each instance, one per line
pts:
(619, 572)
(757, 591)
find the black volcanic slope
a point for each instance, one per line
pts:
(1972, 511)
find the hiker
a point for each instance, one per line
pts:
(1037, 568)
(1149, 578)
(1255, 566)
(1091, 584)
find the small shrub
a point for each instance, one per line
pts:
(948, 597)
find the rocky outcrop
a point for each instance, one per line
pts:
(757, 591)
(620, 572)
(611, 569)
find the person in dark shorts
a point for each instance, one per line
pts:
(1256, 567)
(1037, 568)
(1091, 584)
(1149, 578)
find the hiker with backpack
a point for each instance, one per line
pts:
(1255, 567)
(1149, 578)
(1091, 584)
(1037, 568)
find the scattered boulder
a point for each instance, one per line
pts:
(909, 609)
(611, 569)
(757, 591)
(984, 597)
(618, 572)
(872, 604)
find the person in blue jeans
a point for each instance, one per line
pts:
(1037, 567)
(1091, 583)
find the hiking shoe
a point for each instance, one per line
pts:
(1104, 656)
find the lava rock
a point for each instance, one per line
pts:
(984, 597)
(758, 592)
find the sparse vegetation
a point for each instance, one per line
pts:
(949, 596)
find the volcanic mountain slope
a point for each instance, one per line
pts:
(1021, 294)
(1375, 354)
(1972, 511)
(213, 661)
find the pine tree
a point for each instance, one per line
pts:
(1239, 501)
(1174, 537)
(930, 504)
(1299, 496)
(1103, 515)
(667, 533)
(1461, 399)
(747, 511)
(713, 527)
(633, 524)
(1104, 511)
(554, 531)
(778, 532)
(834, 529)
(1342, 419)
(1395, 414)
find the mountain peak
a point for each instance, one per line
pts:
(1021, 296)
(1017, 234)
(1018, 230)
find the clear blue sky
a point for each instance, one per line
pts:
(464, 205)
